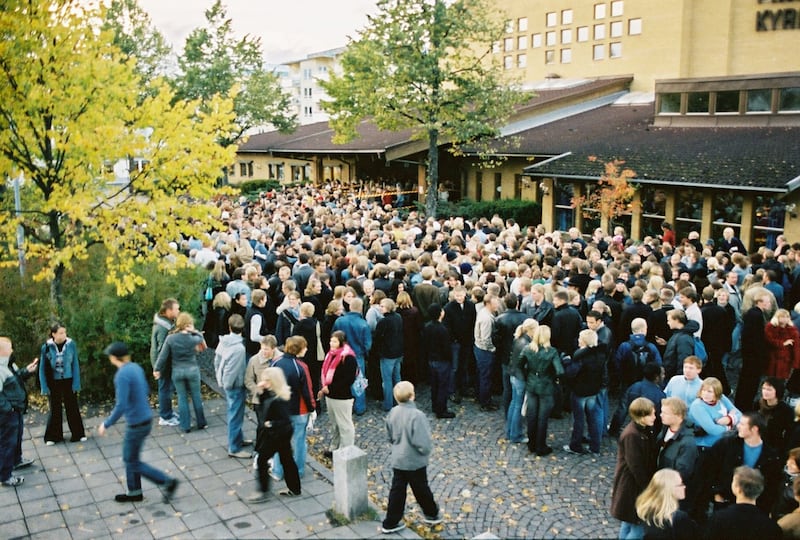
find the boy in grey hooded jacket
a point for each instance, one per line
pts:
(230, 363)
(410, 435)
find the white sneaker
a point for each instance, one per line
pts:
(50, 443)
(169, 422)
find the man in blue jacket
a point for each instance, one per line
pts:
(132, 402)
(359, 337)
(13, 404)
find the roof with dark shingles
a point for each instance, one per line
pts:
(318, 137)
(752, 157)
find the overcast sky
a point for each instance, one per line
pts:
(289, 29)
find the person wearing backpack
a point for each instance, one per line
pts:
(634, 354)
(682, 343)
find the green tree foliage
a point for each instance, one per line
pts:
(68, 109)
(214, 63)
(138, 39)
(25, 315)
(426, 65)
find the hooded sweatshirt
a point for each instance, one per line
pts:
(230, 361)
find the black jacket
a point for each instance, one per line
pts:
(503, 333)
(275, 411)
(679, 346)
(742, 521)
(567, 324)
(728, 453)
(460, 322)
(14, 396)
(543, 313)
(388, 340)
(589, 379)
(679, 453)
(436, 343)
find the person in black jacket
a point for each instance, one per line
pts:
(503, 338)
(585, 388)
(567, 323)
(13, 404)
(747, 449)
(338, 374)
(274, 434)
(388, 344)
(680, 344)
(744, 519)
(754, 349)
(677, 447)
(436, 350)
(716, 336)
(459, 318)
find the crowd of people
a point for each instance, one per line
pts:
(315, 297)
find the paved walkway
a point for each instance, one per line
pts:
(69, 491)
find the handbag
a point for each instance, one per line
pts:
(359, 386)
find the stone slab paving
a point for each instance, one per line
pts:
(69, 492)
(485, 484)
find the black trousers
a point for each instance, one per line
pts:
(440, 385)
(61, 395)
(418, 480)
(283, 446)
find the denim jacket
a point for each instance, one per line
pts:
(47, 365)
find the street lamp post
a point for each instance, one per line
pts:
(20, 229)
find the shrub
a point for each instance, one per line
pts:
(523, 212)
(94, 316)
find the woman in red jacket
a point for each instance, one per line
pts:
(783, 341)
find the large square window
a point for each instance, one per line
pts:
(566, 56)
(566, 16)
(583, 33)
(669, 103)
(522, 43)
(599, 31)
(522, 60)
(550, 39)
(508, 44)
(728, 102)
(617, 8)
(550, 57)
(789, 100)
(599, 11)
(566, 36)
(551, 19)
(508, 62)
(616, 29)
(598, 52)
(759, 100)
(536, 41)
(634, 27)
(697, 102)
(615, 50)
(522, 24)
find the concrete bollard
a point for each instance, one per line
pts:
(350, 481)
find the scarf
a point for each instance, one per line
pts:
(332, 361)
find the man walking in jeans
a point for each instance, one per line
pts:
(230, 364)
(410, 435)
(132, 391)
(485, 350)
(163, 321)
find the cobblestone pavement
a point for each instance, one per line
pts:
(485, 484)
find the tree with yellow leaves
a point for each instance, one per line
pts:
(613, 195)
(68, 112)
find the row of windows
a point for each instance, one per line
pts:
(552, 18)
(730, 101)
(565, 55)
(566, 35)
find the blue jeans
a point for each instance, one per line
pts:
(360, 402)
(515, 428)
(538, 416)
(235, 399)
(9, 427)
(606, 406)
(390, 375)
(165, 390)
(134, 467)
(440, 386)
(506, 378)
(299, 423)
(187, 382)
(630, 531)
(456, 377)
(484, 361)
(585, 410)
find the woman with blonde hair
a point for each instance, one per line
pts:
(216, 323)
(523, 336)
(274, 434)
(540, 363)
(783, 342)
(657, 507)
(180, 351)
